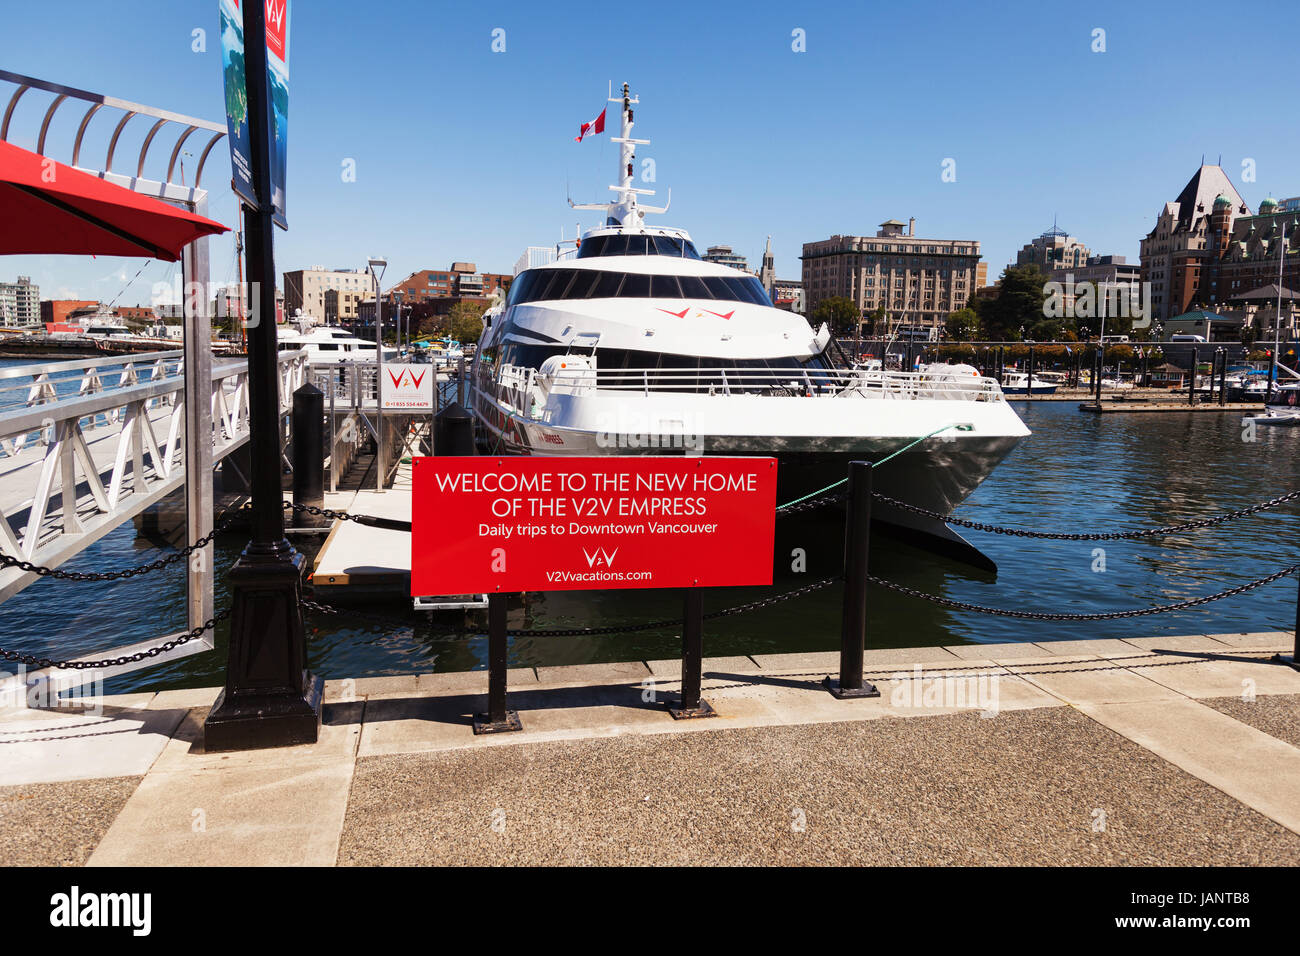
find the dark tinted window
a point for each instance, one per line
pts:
(693, 287)
(595, 246)
(545, 284)
(608, 285)
(583, 282)
(635, 287)
(664, 287)
(625, 245)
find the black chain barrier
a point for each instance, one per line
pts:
(43, 662)
(182, 554)
(1100, 536)
(1099, 616)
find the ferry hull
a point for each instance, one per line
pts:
(937, 474)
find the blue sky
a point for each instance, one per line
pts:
(463, 153)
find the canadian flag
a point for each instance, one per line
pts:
(589, 129)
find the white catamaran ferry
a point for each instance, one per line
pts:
(631, 344)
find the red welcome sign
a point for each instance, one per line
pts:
(483, 525)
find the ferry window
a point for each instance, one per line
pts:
(639, 245)
(664, 287)
(738, 288)
(668, 246)
(718, 287)
(615, 246)
(757, 292)
(606, 286)
(522, 284)
(327, 347)
(584, 281)
(691, 252)
(560, 279)
(635, 286)
(693, 287)
(595, 246)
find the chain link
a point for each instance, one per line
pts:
(182, 554)
(1100, 536)
(44, 662)
(1100, 616)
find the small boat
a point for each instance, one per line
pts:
(1280, 418)
(1017, 383)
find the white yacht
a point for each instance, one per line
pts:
(631, 344)
(326, 344)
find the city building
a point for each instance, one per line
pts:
(341, 305)
(767, 273)
(304, 289)
(725, 257)
(1053, 249)
(1208, 250)
(981, 275)
(424, 284)
(789, 294)
(57, 311)
(20, 304)
(916, 281)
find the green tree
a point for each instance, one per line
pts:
(963, 325)
(839, 312)
(1018, 304)
(464, 322)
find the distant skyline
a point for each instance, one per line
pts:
(462, 153)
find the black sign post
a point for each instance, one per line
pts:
(270, 699)
(853, 627)
(691, 704)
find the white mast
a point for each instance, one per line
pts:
(624, 210)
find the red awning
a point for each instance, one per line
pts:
(47, 207)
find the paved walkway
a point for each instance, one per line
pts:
(1176, 750)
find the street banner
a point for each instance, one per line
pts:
(235, 78)
(504, 524)
(407, 388)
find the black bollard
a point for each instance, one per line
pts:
(308, 423)
(499, 718)
(453, 431)
(853, 623)
(690, 703)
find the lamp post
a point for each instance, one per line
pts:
(381, 465)
(270, 699)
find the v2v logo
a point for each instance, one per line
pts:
(600, 557)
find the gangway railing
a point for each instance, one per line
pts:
(74, 468)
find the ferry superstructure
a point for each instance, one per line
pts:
(632, 344)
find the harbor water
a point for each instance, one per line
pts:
(1076, 472)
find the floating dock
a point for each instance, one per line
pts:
(1109, 408)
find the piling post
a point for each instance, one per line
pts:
(499, 718)
(691, 704)
(853, 618)
(1029, 380)
(308, 454)
(1098, 362)
(1191, 386)
(1223, 376)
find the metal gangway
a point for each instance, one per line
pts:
(88, 444)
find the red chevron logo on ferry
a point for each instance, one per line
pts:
(721, 315)
(680, 315)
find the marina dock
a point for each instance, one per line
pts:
(1157, 751)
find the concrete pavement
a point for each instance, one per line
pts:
(1166, 750)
